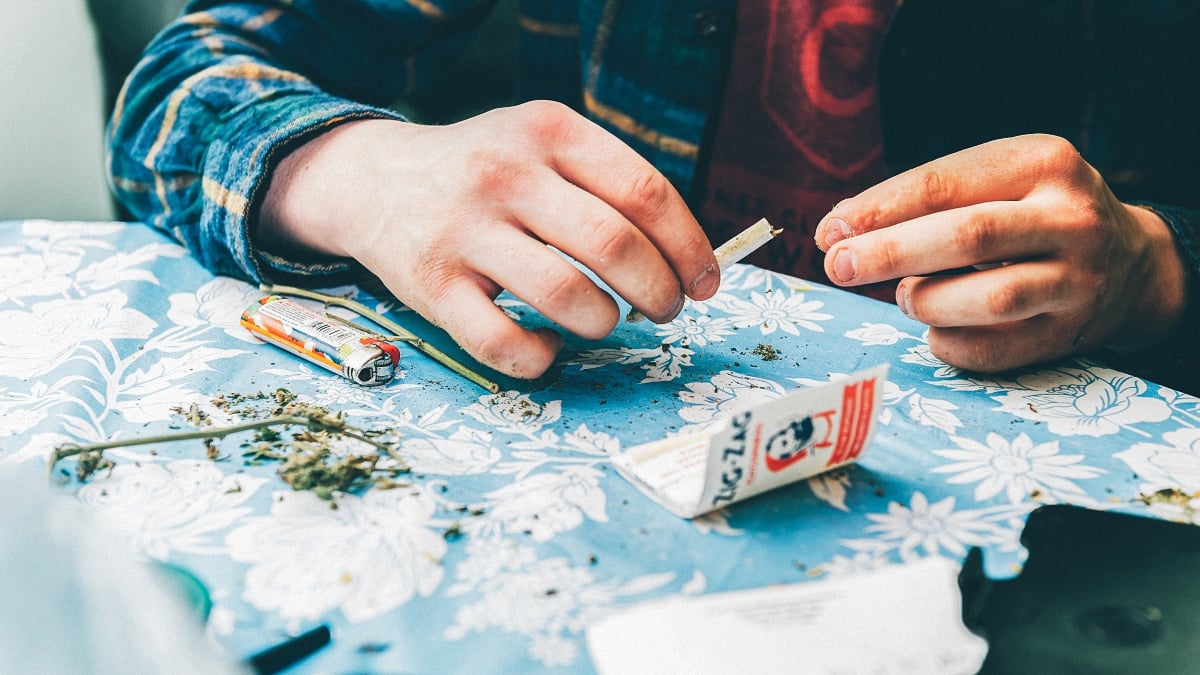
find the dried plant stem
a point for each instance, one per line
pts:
(741, 245)
(318, 422)
(399, 333)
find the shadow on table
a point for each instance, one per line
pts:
(1101, 593)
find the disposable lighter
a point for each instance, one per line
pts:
(356, 354)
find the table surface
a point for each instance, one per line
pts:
(515, 532)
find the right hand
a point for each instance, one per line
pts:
(449, 216)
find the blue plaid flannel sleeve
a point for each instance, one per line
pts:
(223, 92)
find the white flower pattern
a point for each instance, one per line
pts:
(922, 528)
(454, 456)
(877, 334)
(219, 303)
(544, 600)
(776, 310)
(176, 507)
(1017, 469)
(726, 393)
(514, 413)
(1172, 466)
(696, 331)
(512, 531)
(30, 276)
(370, 555)
(545, 504)
(1085, 402)
(52, 331)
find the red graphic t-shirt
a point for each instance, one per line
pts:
(799, 126)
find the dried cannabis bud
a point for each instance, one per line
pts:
(308, 457)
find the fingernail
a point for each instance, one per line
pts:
(665, 318)
(677, 308)
(843, 265)
(902, 300)
(836, 230)
(706, 284)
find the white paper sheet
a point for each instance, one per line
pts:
(898, 620)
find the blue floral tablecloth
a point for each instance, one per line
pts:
(514, 532)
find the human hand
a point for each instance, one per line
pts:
(1047, 261)
(449, 216)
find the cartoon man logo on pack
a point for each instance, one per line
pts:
(798, 439)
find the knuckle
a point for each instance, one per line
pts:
(610, 241)
(539, 120)
(889, 258)
(545, 110)
(490, 172)
(862, 215)
(583, 308)
(556, 290)
(976, 236)
(647, 189)
(1089, 219)
(1055, 154)
(936, 188)
(1007, 300)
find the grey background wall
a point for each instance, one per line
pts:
(51, 113)
(60, 64)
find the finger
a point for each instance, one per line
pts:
(996, 348)
(980, 234)
(591, 231)
(601, 164)
(467, 312)
(1008, 169)
(988, 297)
(543, 278)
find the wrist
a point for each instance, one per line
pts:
(1164, 280)
(307, 206)
(1171, 359)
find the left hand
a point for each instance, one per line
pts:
(1049, 262)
